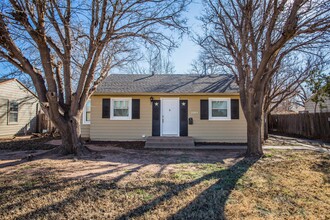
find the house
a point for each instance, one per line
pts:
(128, 107)
(18, 108)
(321, 107)
(288, 107)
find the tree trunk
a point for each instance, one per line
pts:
(254, 140)
(315, 106)
(71, 137)
(266, 118)
(252, 104)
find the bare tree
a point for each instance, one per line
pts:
(302, 95)
(250, 39)
(153, 61)
(284, 86)
(204, 66)
(9, 72)
(69, 47)
(319, 85)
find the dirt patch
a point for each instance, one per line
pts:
(166, 184)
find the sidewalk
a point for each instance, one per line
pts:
(265, 147)
(302, 141)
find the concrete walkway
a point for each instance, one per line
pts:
(301, 141)
(243, 147)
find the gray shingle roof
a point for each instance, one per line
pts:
(167, 83)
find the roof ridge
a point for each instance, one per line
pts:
(168, 83)
(180, 74)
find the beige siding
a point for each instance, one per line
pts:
(85, 130)
(106, 129)
(27, 104)
(231, 131)
(310, 105)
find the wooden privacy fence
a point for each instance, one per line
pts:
(309, 125)
(44, 124)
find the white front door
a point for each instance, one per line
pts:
(170, 117)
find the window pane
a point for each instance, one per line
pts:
(13, 106)
(120, 104)
(88, 106)
(13, 117)
(125, 104)
(88, 116)
(219, 112)
(116, 104)
(120, 112)
(219, 104)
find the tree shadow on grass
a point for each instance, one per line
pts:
(210, 204)
(214, 198)
(76, 195)
(323, 166)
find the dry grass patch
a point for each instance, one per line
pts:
(145, 184)
(285, 185)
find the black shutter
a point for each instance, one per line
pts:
(183, 117)
(135, 108)
(105, 108)
(156, 118)
(234, 109)
(204, 109)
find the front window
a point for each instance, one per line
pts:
(121, 108)
(87, 113)
(219, 109)
(13, 112)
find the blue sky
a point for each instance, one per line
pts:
(188, 50)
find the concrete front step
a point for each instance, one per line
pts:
(169, 142)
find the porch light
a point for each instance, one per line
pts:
(151, 99)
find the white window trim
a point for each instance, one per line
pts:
(112, 117)
(85, 122)
(13, 122)
(228, 109)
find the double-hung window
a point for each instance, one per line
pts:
(87, 113)
(121, 108)
(219, 109)
(13, 112)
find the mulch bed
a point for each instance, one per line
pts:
(121, 144)
(26, 143)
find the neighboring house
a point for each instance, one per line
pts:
(288, 108)
(18, 108)
(321, 107)
(133, 107)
